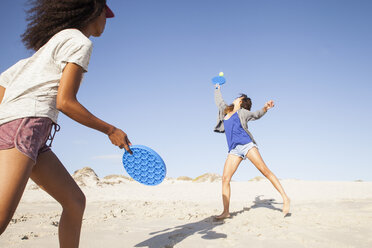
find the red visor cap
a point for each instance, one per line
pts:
(109, 13)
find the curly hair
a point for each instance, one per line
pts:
(246, 104)
(48, 17)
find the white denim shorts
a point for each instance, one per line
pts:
(242, 150)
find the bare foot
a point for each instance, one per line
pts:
(286, 203)
(222, 216)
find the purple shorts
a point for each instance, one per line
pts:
(29, 135)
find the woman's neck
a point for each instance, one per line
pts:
(235, 109)
(86, 31)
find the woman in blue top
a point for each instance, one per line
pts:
(232, 120)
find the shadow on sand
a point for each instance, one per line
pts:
(169, 237)
(267, 203)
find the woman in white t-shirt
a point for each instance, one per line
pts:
(33, 91)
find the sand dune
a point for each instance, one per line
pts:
(86, 177)
(208, 177)
(178, 213)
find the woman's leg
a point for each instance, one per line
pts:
(15, 170)
(254, 156)
(50, 174)
(231, 165)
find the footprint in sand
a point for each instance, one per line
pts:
(55, 223)
(29, 235)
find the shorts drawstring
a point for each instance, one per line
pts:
(56, 128)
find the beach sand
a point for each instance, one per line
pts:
(122, 213)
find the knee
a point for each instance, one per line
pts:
(226, 179)
(79, 201)
(76, 203)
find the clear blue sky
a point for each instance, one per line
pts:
(150, 74)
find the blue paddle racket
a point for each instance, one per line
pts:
(144, 165)
(219, 79)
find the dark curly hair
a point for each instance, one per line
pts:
(246, 104)
(48, 17)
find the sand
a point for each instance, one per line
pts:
(122, 213)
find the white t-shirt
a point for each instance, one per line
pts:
(32, 83)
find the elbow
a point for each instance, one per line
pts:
(256, 117)
(62, 105)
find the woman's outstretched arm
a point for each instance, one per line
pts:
(218, 97)
(70, 106)
(252, 116)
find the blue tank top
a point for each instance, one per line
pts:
(235, 134)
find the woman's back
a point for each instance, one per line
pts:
(32, 84)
